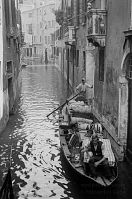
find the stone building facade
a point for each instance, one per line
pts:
(38, 25)
(10, 48)
(99, 48)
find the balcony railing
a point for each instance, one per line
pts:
(96, 24)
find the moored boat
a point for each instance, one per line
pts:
(77, 131)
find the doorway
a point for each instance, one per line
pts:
(10, 94)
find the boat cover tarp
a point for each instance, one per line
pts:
(81, 120)
(79, 107)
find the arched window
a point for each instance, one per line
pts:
(129, 67)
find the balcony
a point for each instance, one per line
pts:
(70, 35)
(97, 26)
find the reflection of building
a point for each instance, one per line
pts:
(38, 25)
(10, 49)
(102, 53)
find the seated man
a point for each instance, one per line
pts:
(98, 158)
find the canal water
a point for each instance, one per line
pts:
(37, 166)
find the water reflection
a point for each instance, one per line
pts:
(36, 165)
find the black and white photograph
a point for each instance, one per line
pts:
(65, 99)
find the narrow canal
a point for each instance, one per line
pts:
(37, 168)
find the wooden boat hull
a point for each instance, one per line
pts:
(79, 176)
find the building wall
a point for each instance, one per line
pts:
(1, 62)
(11, 78)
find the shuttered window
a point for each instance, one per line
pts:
(84, 11)
(129, 67)
(84, 61)
(13, 9)
(7, 13)
(101, 63)
(77, 58)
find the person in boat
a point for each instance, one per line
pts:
(67, 114)
(75, 139)
(85, 154)
(82, 87)
(96, 147)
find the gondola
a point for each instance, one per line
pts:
(6, 191)
(71, 149)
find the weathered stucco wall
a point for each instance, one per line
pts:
(117, 22)
(10, 53)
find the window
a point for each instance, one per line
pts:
(20, 1)
(129, 67)
(30, 52)
(48, 39)
(9, 67)
(30, 15)
(9, 42)
(45, 39)
(7, 13)
(77, 58)
(35, 50)
(29, 28)
(78, 12)
(57, 51)
(27, 52)
(84, 8)
(101, 63)
(67, 54)
(13, 13)
(84, 61)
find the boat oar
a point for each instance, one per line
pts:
(63, 104)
